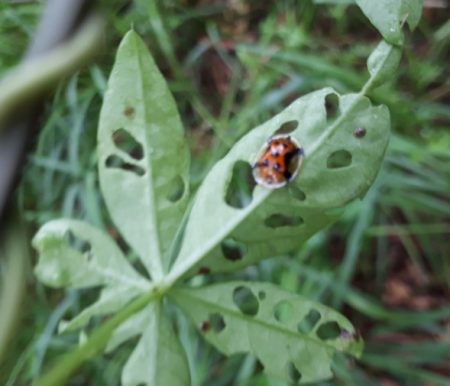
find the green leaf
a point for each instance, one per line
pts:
(143, 158)
(388, 16)
(339, 166)
(75, 254)
(383, 62)
(293, 337)
(158, 358)
(111, 299)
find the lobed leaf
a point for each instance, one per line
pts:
(344, 147)
(388, 16)
(111, 299)
(294, 338)
(75, 254)
(158, 358)
(143, 158)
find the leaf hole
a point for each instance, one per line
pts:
(127, 143)
(259, 366)
(339, 159)
(176, 189)
(293, 373)
(297, 193)
(78, 244)
(329, 330)
(279, 220)
(262, 295)
(115, 162)
(331, 106)
(240, 188)
(309, 322)
(233, 250)
(217, 322)
(245, 300)
(287, 127)
(283, 311)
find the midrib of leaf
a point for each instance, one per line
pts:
(189, 261)
(182, 267)
(239, 315)
(154, 237)
(122, 279)
(156, 346)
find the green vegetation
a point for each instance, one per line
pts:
(232, 66)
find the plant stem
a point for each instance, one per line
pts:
(62, 369)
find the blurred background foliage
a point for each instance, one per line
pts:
(232, 64)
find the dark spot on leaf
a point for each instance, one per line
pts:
(176, 189)
(293, 373)
(233, 250)
(287, 127)
(217, 322)
(346, 335)
(329, 330)
(77, 243)
(279, 220)
(206, 326)
(204, 271)
(297, 193)
(245, 300)
(339, 159)
(128, 144)
(283, 311)
(240, 189)
(129, 112)
(261, 295)
(331, 105)
(308, 323)
(359, 132)
(115, 162)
